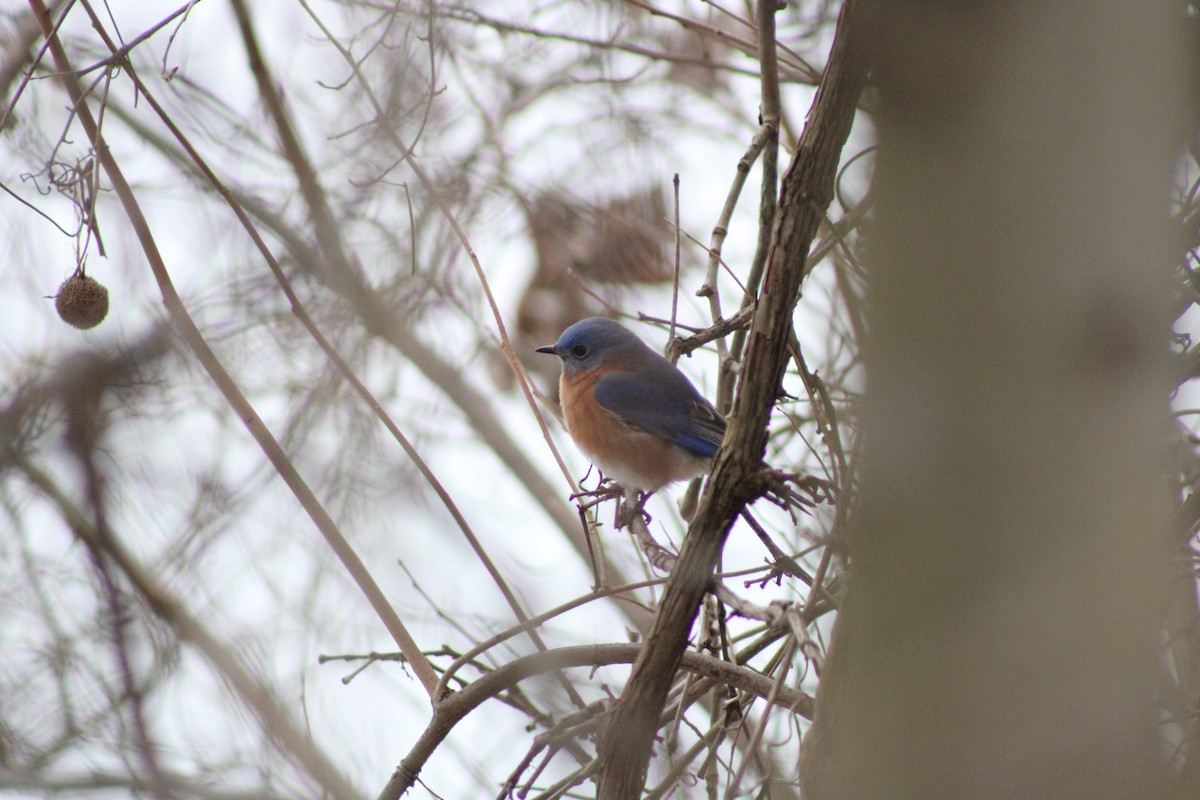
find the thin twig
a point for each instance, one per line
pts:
(458, 705)
(212, 365)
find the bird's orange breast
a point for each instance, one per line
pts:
(635, 458)
(589, 423)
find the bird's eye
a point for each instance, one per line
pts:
(579, 351)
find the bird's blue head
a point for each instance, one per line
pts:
(594, 342)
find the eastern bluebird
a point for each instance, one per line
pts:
(632, 412)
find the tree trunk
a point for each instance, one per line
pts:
(1008, 556)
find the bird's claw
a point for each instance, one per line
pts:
(606, 490)
(628, 509)
(629, 504)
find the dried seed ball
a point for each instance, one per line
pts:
(81, 302)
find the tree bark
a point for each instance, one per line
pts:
(1008, 556)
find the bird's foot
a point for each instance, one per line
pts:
(606, 490)
(633, 505)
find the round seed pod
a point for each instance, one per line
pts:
(81, 302)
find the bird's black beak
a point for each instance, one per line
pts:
(551, 349)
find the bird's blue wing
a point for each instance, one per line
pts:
(659, 400)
